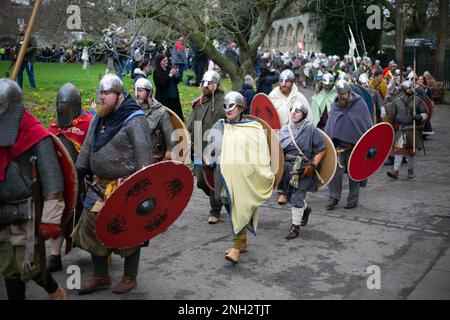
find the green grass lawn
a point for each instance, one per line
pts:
(51, 76)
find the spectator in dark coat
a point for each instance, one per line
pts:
(248, 92)
(166, 82)
(266, 79)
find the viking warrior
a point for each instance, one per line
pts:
(379, 111)
(379, 83)
(70, 126)
(303, 148)
(393, 90)
(206, 110)
(349, 120)
(401, 115)
(117, 145)
(31, 196)
(284, 96)
(161, 128)
(322, 100)
(239, 149)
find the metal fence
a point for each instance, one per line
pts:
(425, 62)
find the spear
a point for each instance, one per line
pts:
(364, 44)
(26, 40)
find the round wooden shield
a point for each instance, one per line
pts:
(429, 104)
(276, 152)
(70, 180)
(263, 108)
(370, 151)
(144, 205)
(365, 95)
(182, 136)
(208, 174)
(327, 167)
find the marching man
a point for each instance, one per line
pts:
(27, 159)
(118, 144)
(303, 148)
(70, 126)
(243, 176)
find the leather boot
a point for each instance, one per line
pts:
(389, 161)
(59, 294)
(331, 204)
(294, 232)
(411, 174)
(282, 199)
(54, 263)
(95, 283)
(15, 289)
(213, 219)
(306, 216)
(233, 255)
(393, 174)
(242, 249)
(125, 285)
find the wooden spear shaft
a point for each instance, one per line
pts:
(26, 40)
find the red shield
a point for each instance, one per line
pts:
(144, 205)
(263, 108)
(70, 180)
(370, 151)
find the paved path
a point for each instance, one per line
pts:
(401, 227)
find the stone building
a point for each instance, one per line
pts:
(290, 34)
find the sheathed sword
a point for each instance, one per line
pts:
(38, 205)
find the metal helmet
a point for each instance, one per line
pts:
(343, 87)
(287, 75)
(412, 75)
(363, 79)
(232, 100)
(300, 106)
(143, 83)
(407, 84)
(210, 76)
(112, 83)
(11, 111)
(343, 76)
(68, 105)
(10, 94)
(327, 79)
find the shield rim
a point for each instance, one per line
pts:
(252, 108)
(333, 155)
(361, 139)
(134, 174)
(273, 135)
(429, 104)
(68, 211)
(175, 119)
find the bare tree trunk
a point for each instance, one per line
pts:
(441, 37)
(247, 63)
(399, 33)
